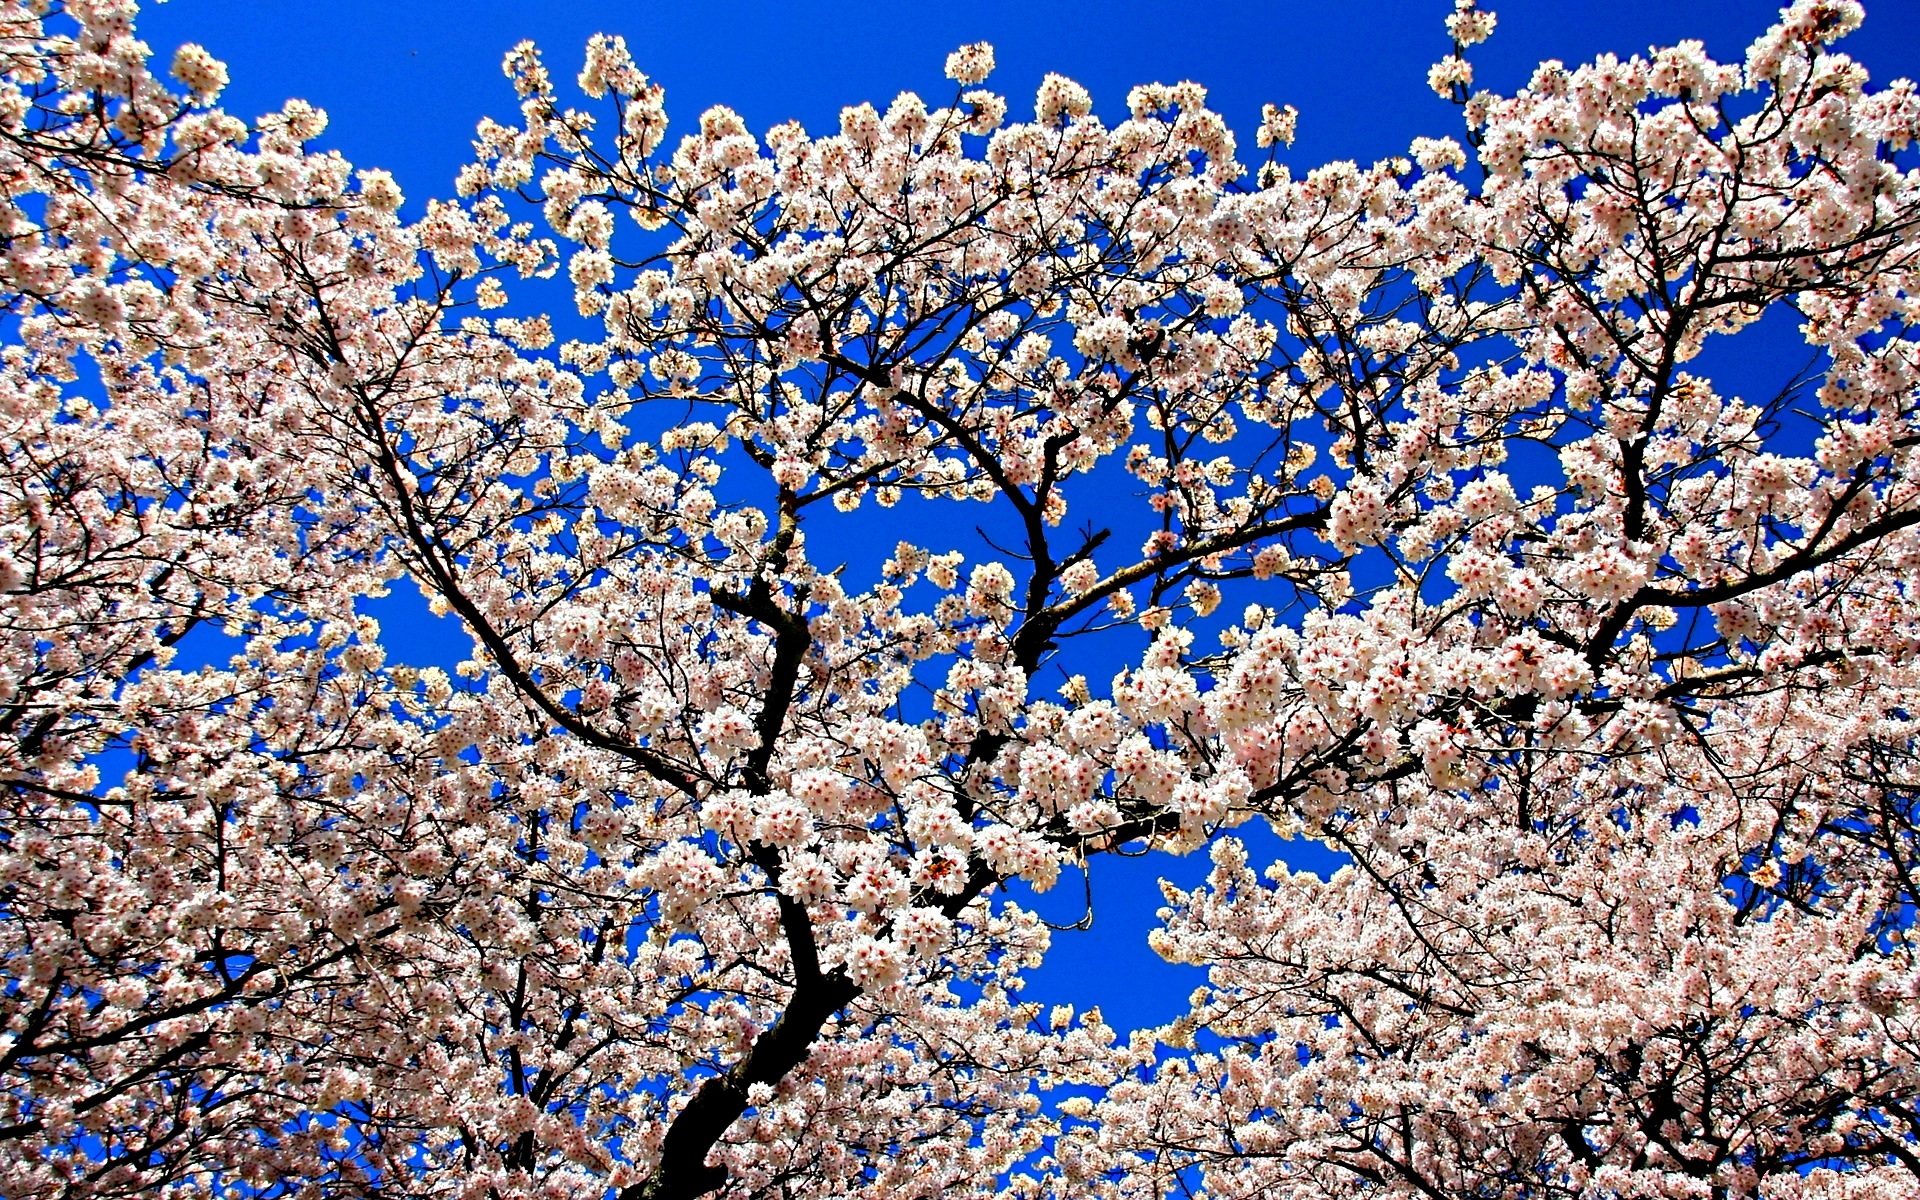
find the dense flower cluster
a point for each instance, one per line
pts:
(1435, 540)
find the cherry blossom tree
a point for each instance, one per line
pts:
(1392, 506)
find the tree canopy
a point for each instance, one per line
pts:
(1390, 507)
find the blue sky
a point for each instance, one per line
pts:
(405, 83)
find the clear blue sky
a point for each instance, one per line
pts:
(405, 83)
